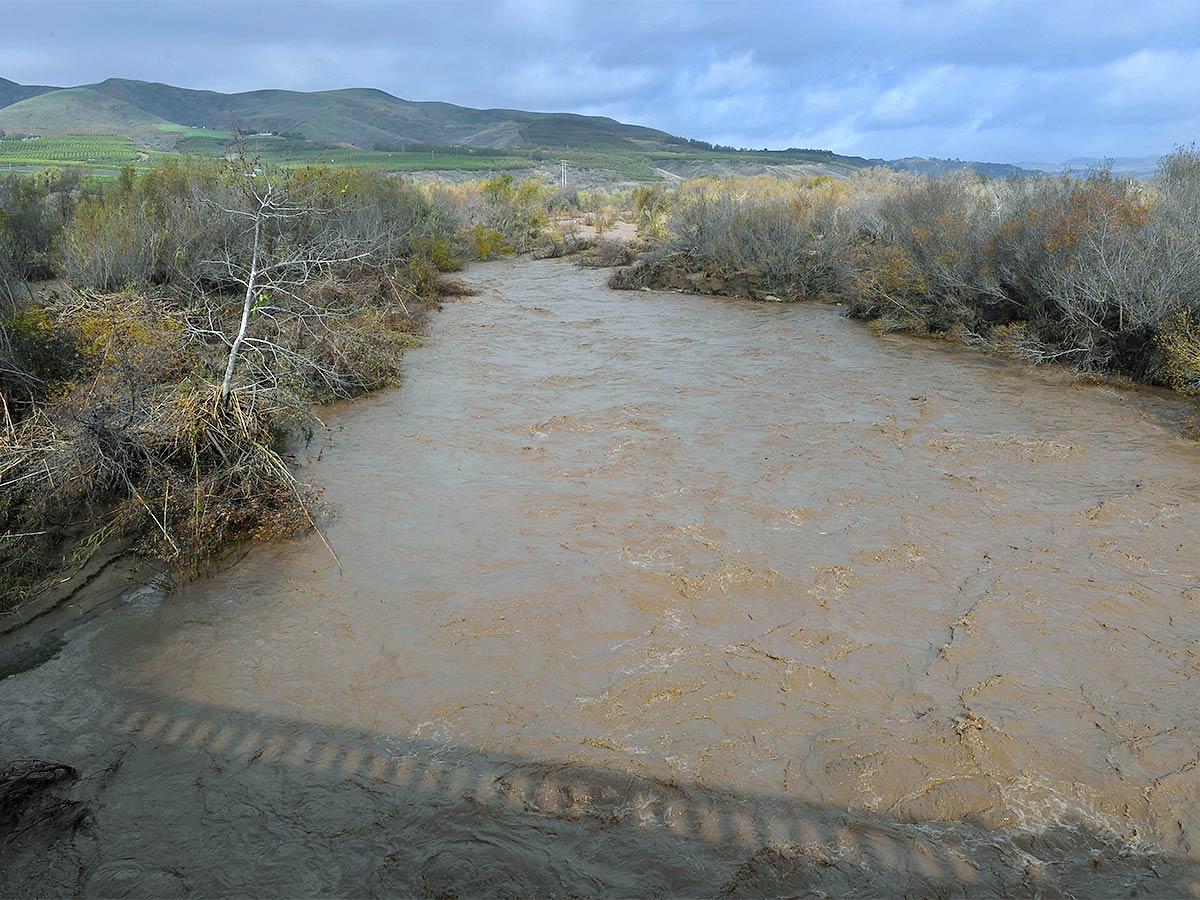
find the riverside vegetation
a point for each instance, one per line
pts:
(165, 334)
(1098, 272)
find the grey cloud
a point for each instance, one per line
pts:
(986, 80)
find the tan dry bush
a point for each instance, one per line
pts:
(174, 471)
(1180, 341)
(607, 254)
(1095, 272)
(124, 424)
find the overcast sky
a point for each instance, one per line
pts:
(996, 81)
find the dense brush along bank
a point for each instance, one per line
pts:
(650, 594)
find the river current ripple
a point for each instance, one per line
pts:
(650, 594)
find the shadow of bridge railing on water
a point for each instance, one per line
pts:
(699, 839)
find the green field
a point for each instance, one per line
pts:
(188, 131)
(105, 154)
(283, 151)
(99, 150)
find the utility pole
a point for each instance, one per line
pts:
(563, 183)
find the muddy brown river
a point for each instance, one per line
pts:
(649, 594)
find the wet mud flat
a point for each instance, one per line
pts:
(652, 594)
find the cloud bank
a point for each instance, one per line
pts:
(979, 79)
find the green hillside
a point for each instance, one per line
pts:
(76, 110)
(368, 127)
(352, 127)
(360, 117)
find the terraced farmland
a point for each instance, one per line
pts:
(104, 154)
(285, 151)
(100, 150)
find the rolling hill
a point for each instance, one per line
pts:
(365, 126)
(74, 111)
(365, 118)
(1126, 166)
(926, 165)
(11, 92)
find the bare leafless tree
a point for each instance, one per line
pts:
(278, 252)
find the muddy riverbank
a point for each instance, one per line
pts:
(650, 594)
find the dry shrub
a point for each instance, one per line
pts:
(1181, 346)
(651, 206)
(137, 446)
(606, 254)
(118, 424)
(502, 215)
(451, 287)
(755, 235)
(357, 353)
(487, 243)
(34, 353)
(1099, 272)
(171, 470)
(563, 243)
(439, 252)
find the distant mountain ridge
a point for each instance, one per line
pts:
(11, 92)
(360, 117)
(1128, 166)
(167, 118)
(926, 165)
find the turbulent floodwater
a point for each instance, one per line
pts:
(646, 594)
